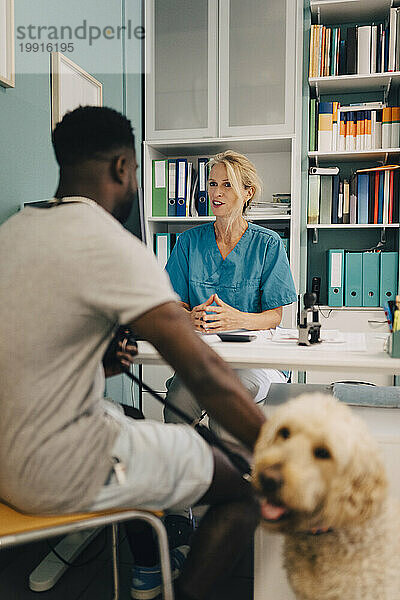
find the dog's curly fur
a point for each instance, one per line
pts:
(316, 463)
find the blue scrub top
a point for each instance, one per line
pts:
(255, 276)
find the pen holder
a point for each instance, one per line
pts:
(394, 347)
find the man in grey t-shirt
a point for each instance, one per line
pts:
(70, 275)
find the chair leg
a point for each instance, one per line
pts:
(168, 592)
(114, 546)
(158, 526)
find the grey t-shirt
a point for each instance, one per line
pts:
(68, 276)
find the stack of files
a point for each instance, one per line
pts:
(367, 279)
(177, 191)
(362, 49)
(279, 205)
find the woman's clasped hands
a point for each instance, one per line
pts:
(220, 316)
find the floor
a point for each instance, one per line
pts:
(93, 581)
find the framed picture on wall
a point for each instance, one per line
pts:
(7, 50)
(71, 87)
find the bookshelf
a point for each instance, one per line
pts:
(357, 237)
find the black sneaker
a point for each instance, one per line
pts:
(179, 530)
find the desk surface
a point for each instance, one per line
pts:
(288, 355)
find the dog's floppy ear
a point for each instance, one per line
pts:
(358, 492)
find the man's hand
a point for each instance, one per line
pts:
(221, 317)
(119, 354)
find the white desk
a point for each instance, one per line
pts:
(288, 355)
(269, 578)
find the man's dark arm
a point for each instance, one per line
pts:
(212, 382)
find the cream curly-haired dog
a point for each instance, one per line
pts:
(323, 485)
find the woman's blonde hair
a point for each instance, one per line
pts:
(241, 174)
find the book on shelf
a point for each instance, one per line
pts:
(361, 49)
(325, 200)
(335, 199)
(325, 126)
(369, 196)
(314, 185)
(313, 127)
(355, 127)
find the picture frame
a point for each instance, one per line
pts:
(71, 86)
(7, 44)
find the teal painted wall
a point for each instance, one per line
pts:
(28, 170)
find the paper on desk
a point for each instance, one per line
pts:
(331, 339)
(352, 342)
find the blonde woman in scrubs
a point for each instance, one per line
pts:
(230, 274)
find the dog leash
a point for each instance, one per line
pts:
(236, 459)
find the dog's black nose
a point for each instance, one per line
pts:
(270, 480)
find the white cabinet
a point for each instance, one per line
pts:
(256, 67)
(181, 68)
(219, 68)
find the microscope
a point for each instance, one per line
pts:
(308, 320)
